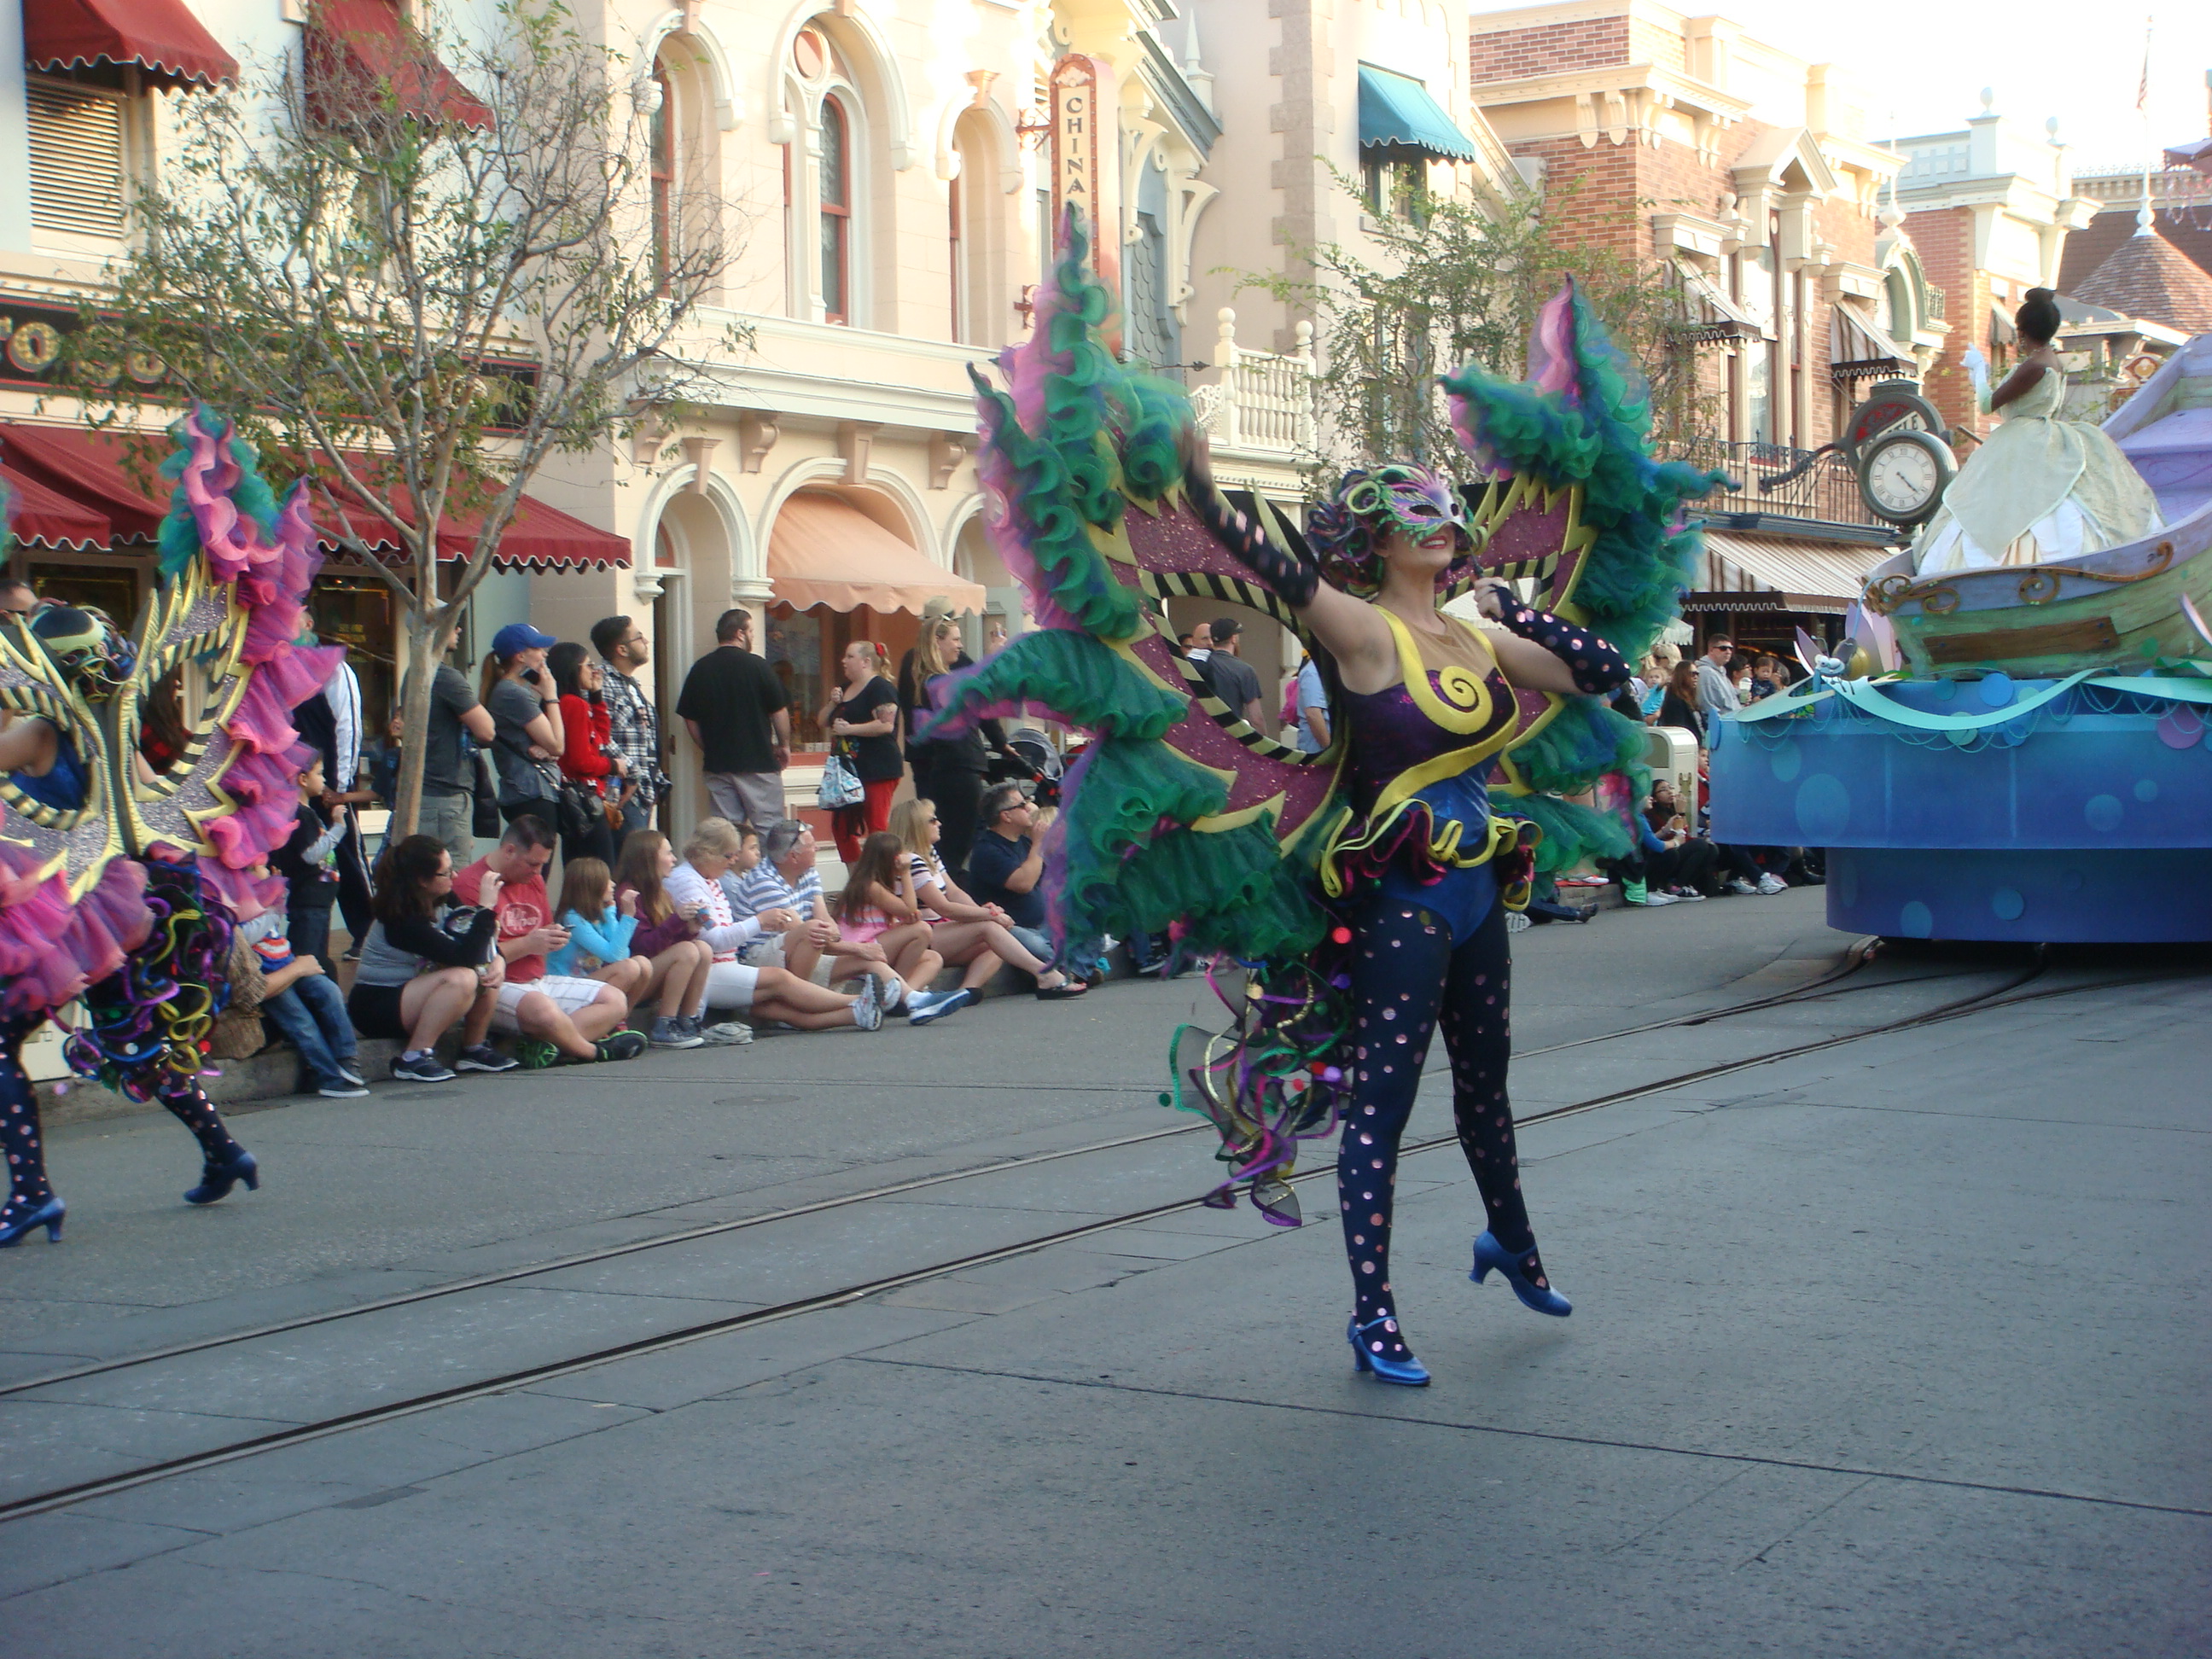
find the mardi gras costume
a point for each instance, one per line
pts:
(1364, 888)
(119, 878)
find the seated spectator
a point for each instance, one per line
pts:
(599, 930)
(556, 1015)
(787, 877)
(423, 967)
(306, 1005)
(588, 757)
(976, 937)
(307, 863)
(667, 938)
(1734, 870)
(878, 907)
(716, 848)
(1007, 862)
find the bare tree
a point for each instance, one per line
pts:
(414, 283)
(1449, 282)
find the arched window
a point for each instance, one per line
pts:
(835, 210)
(660, 137)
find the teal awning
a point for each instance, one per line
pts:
(1396, 109)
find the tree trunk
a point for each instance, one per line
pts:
(424, 659)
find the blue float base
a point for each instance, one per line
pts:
(2090, 896)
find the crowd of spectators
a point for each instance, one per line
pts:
(557, 749)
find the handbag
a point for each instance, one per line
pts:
(574, 810)
(840, 785)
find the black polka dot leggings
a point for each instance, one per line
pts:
(1407, 979)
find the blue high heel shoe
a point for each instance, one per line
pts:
(47, 1215)
(1408, 1372)
(217, 1179)
(1489, 1252)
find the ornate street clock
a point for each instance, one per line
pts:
(1902, 474)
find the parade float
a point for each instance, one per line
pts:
(2019, 752)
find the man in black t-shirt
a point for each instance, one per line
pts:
(738, 714)
(1230, 677)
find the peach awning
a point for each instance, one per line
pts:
(827, 552)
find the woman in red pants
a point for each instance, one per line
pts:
(864, 720)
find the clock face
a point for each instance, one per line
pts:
(1903, 473)
(1902, 478)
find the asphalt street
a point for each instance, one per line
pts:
(1894, 1345)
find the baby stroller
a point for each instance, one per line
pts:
(1029, 757)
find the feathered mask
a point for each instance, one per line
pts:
(1349, 529)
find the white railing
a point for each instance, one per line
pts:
(1264, 401)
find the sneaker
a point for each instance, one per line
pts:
(868, 1006)
(1687, 895)
(424, 1068)
(729, 1033)
(483, 1057)
(1738, 884)
(1642, 895)
(620, 1045)
(1516, 921)
(670, 1032)
(353, 954)
(536, 1054)
(350, 1071)
(1771, 883)
(890, 992)
(922, 1010)
(343, 1091)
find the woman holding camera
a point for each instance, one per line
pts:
(588, 757)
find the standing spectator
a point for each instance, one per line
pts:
(715, 847)
(1312, 709)
(1679, 706)
(330, 721)
(525, 717)
(1229, 676)
(949, 770)
(418, 974)
(968, 935)
(587, 757)
(1198, 644)
(383, 761)
(555, 1015)
(1716, 693)
(1007, 863)
(863, 722)
(878, 908)
(304, 862)
(303, 1002)
(633, 721)
(667, 938)
(448, 773)
(738, 713)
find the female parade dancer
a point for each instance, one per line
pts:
(1361, 889)
(120, 871)
(1426, 701)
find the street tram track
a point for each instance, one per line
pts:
(1857, 957)
(2008, 994)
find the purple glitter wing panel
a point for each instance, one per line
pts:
(1534, 532)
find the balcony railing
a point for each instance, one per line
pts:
(1264, 401)
(1824, 488)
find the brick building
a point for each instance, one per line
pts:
(1990, 209)
(1685, 140)
(1746, 173)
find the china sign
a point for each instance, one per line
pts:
(1076, 134)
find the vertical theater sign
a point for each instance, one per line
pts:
(1083, 133)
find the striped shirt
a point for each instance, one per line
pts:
(763, 888)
